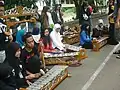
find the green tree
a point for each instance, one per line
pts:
(11, 3)
(78, 4)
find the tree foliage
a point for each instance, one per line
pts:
(11, 3)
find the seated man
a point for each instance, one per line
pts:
(56, 38)
(30, 55)
(97, 31)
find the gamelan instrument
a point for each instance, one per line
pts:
(66, 58)
(51, 79)
(18, 11)
(72, 35)
(11, 23)
(97, 44)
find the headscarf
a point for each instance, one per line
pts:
(5, 70)
(84, 27)
(10, 55)
(36, 34)
(56, 37)
(19, 37)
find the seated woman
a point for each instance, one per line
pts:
(47, 43)
(56, 38)
(22, 78)
(85, 39)
(36, 36)
(20, 34)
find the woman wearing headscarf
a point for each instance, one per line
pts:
(13, 59)
(85, 39)
(13, 53)
(57, 38)
(7, 81)
(20, 34)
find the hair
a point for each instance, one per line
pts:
(35, 7)
(43, 13)
(27, 35)
(84, 28)
(45, 9)
(46, 39)
(56, 5)
(84, 4)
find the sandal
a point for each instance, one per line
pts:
(118, 56)
(116, 52)
(75, 64)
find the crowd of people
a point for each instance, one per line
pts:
(21, 53)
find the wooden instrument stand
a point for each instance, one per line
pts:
(50, 80)
(97, 44)
(66, 58)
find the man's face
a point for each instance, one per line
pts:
(1, 11)
(30, 42)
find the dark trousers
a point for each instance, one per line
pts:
(112, 39)
(87, 45)
(111, 31)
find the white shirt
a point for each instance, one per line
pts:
(50, 21)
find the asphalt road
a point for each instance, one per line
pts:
(100, 71)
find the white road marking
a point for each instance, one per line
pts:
(92, 78)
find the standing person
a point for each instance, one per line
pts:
(44, 18)
(85, 14)
(5, 36)
(57, 16)
(117, 24)
(112, 39)
(38, 18)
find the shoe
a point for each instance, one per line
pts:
(118, 57)
(75, 64)
(116, 52)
